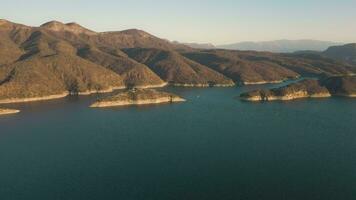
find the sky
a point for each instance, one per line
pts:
(201, 21)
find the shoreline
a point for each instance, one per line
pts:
(270, 82)
(265, 82)
(200, 85)
(345, 95)
(109, 90)
(285, 98)
(150, 86)
(57, 96)
(34, 99)
(90, 92)
(105, 104)
(4, 111)
(65, 94)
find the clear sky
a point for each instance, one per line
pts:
(215, 21)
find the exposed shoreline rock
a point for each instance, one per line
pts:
(152, 86)
(344, 86)
(270, 82)
(200, 85)
(4, 111)
(137, 97)
(262, 82)
(299, 95)
(33, 99)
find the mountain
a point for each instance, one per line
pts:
(346, 53)
(249, 67)
(178, 70)
(242, 70)
(57, 59)
(132, 72)
(281, 46)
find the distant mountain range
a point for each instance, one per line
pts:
(57, 59)
(281, 46)
(200, 45)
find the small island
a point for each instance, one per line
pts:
(4, 111)
(304, 89)
(137, 97)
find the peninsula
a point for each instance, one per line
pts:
(308, 88)
(302, 89)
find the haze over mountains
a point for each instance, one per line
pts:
(281, 46)
(276, 46)
(200, 45)
(57, 59)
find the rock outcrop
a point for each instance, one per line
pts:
(341, 85)
(302, 89)
(137, 97)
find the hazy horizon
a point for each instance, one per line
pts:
(219, 23)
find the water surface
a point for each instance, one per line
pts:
(211, 147)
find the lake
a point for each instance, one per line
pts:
(213, 146)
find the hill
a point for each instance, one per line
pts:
(346, 53)
(178, 70)
(249, 67)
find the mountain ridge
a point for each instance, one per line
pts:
(57, 59)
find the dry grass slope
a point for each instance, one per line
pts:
(176, 69)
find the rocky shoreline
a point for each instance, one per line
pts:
(33, 99)
(89, 92)
(152, 86)
(269, 82)
(137, 97)
(4, 111)
(298, 95)
(201, 85)
(262, 82)
(344, 86)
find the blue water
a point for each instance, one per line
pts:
(213, 146)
